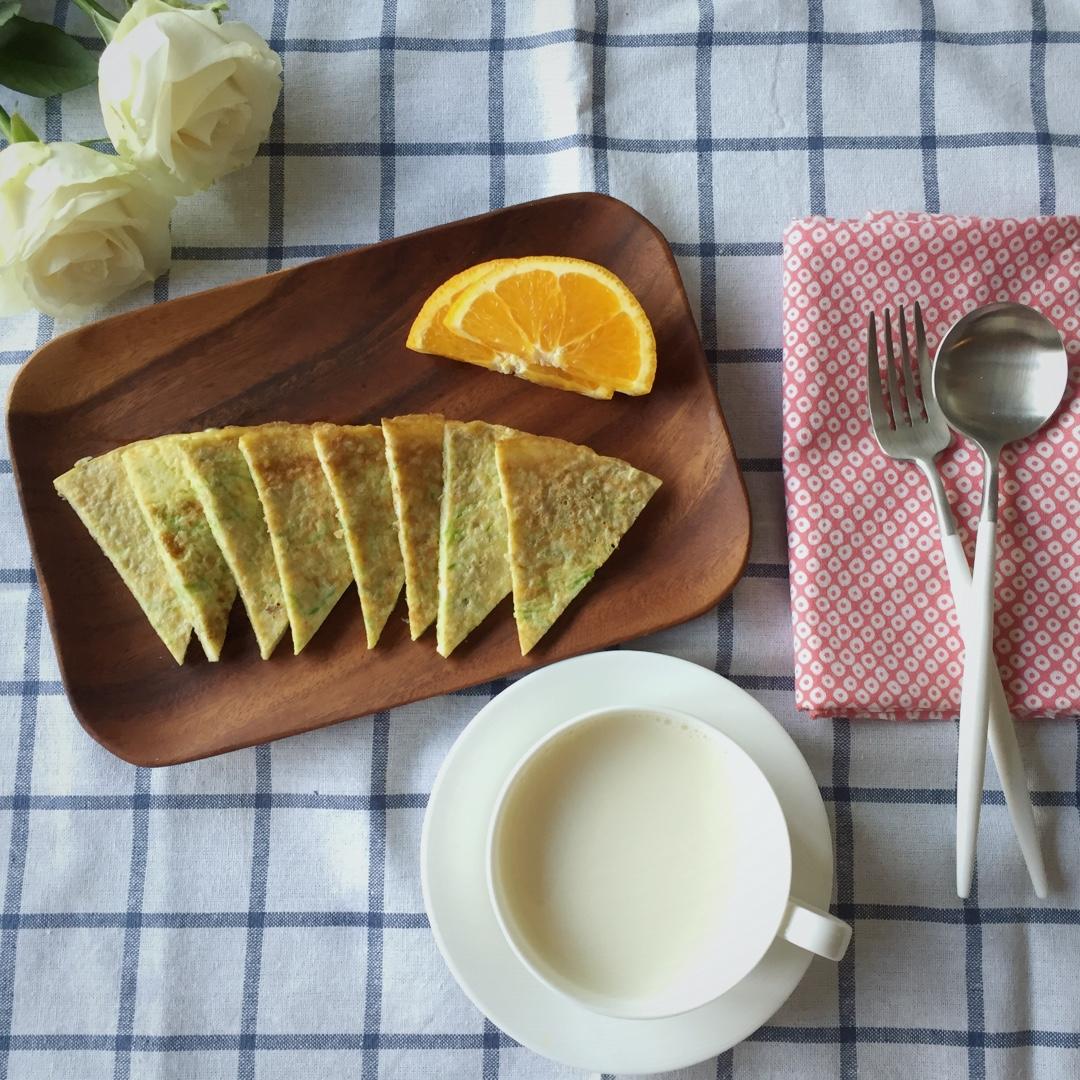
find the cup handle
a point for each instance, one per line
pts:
(815, 930)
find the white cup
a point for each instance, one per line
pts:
(756, 905)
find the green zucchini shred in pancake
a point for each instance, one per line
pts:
(175, 518)
(567, 509)
(220, 478)
(474, 553)
(354, 462)
(309, 549)
(414, 448)
(99, 491)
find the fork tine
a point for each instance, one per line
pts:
(898, 415)
(909, 382)
(879, 418)
(926, 374)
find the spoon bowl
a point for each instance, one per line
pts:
(1000, 373)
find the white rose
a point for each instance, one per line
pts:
(77, 228)
(186, 98)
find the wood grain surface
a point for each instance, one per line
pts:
(326, 341)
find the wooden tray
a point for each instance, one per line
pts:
(326, 341)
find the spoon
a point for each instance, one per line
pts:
(999, 375)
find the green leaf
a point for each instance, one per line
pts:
(21, 131)
(105, 27)
(102, 18)
(9, 9)
(41, 60)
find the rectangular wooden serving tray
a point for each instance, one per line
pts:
(326, 341)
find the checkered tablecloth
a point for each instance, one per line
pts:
(259, 915)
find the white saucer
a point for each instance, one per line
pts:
(452, 862)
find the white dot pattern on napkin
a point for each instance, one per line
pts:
(875, 630)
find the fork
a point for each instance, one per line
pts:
(917, 432)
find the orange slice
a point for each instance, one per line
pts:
(559, 314)
(429, 334)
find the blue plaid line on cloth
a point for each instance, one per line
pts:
(259, 915)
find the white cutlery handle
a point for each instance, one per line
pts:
(974, 699)
(1002, 733)
(959, 577)
(1010, 767)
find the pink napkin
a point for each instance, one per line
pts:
(876, 634)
